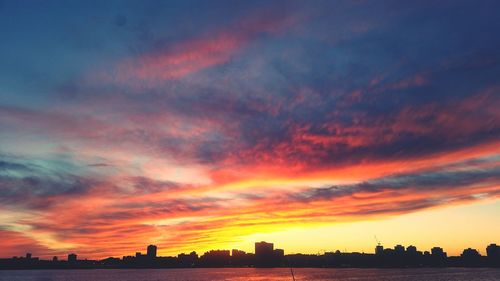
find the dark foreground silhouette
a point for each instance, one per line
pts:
(266, 256)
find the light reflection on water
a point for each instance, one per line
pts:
(252, 274)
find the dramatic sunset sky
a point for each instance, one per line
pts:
(199, 125)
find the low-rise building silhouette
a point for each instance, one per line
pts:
(470, 253)
(399, 250)
(438, 252)
(188, 260)
(215, 258)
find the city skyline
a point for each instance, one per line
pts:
(152, 251)
(197, 125)
(266, 255)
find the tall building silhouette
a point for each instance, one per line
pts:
(151, 251)
(264, 254)
(493, 254)
(493, 251)
(72, 257)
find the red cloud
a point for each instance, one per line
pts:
(190, 56)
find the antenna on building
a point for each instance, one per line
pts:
(376, 239)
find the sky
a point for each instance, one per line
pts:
(197, 125)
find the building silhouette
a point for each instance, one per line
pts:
(72, 258)
(399, 250)
(438, 252)
(187, 260)
(151, 251)
(437, 257)
(264, 254)
(493, 251)
(493, 254)
(216, 258)
(470, 253)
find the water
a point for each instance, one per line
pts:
(253, 274)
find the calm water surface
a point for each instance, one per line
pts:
(252, 274)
